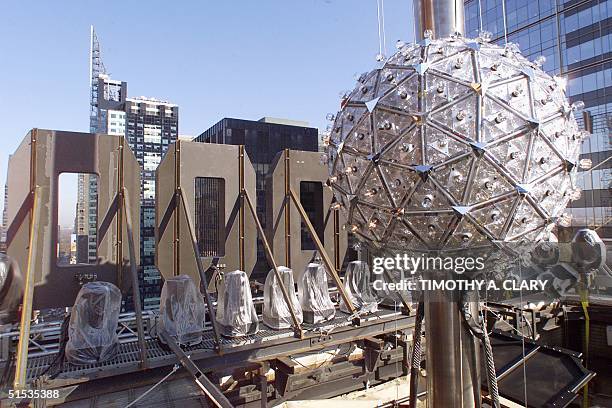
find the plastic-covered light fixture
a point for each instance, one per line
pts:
(358, 286)
(313, 293)
(276, 313)
(454, 143)
(181, 310)
(92, 331)
(236, 312)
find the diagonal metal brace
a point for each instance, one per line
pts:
(201, 271)
(296, 324)
(328, 263)
(212, 392)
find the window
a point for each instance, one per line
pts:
(77, 218)
(311, 198)
(151, 160)
(210, 216)
(152, 134)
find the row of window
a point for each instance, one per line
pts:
(589, 49)
(573, 21)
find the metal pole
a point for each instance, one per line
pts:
(142, 345)
(215, 395)
(287, 209)
(177, 208)
(241, 210)
(442, 17)
(452, 372)
(452, 356)
(328, 263)
(201, 272)
(28, 294)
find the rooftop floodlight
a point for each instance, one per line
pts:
(181, 310)
(313, 293)
(236, 312)
(11, 288)
(276, 313)
(92, 331)
(358, 285)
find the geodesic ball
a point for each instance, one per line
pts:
(454, 143)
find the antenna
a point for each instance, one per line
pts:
(96, 68)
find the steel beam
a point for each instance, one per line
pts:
(296, 324)
(328, 263)
(211, 391)
(125, 203)
(28, 293)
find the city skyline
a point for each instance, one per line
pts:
(212, 71)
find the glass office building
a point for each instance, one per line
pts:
(576, 38)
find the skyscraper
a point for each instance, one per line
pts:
(575, 37)
(149, 126)
(262, 139)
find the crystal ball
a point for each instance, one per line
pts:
(454, 143)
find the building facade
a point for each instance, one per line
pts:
(107, 113)
(575, 36)
(150, 127)
(4, 227)
(262, 140)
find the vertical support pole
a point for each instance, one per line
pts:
(337, 260)
(177, 208)
(119, 221)
(28, 294)
(263, 383)
(287, 209)
(134, 274)
(241, 210)
(450, 366)
(21, 364)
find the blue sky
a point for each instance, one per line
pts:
(245, 59)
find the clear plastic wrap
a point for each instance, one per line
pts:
(93, 324)
(276, 313)
(313, 293)
(358, 285)
(236, 313)
(182, 311)
(11, 289)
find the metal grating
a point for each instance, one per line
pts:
(128, 354)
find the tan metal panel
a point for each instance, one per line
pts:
(58, 152)
(201, 160)
(303, 166)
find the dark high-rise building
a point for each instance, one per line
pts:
(263, 140)
(575, 36)
(150, 127)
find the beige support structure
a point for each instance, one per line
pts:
(32, 236)
(291, 170)
(177, 175)
(38, 161)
